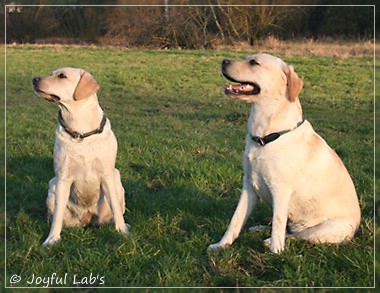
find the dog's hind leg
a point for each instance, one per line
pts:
(330, 231)
(104, 210)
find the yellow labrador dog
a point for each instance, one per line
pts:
(86, 188)
(286, 163)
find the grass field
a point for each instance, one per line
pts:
(180, 149)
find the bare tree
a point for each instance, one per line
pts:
(224, 21)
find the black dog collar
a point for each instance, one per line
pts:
(273, 136)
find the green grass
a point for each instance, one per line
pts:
(180, 149)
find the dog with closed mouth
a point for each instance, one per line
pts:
(286, 163)
(87, 187)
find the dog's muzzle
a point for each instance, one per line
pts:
(36, 87)
(243, 88)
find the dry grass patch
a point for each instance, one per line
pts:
(308, 47)
(325, 47)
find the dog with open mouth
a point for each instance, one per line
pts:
(286, 163)
(87, 188)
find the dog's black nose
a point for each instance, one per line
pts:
(226, 62)
(35, 80)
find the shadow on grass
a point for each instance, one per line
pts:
(27, 188)
(27, 184)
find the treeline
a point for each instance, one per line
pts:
(193, 27)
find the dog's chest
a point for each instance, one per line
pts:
(84, 166)
(86, 160)
(261, 168)
(85, 171)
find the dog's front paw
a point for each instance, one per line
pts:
(216, 247)
(274, 247)
(125, 229)
(277, 249)
(51, 240)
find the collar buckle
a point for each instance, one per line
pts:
(260, 141)
(77, 136)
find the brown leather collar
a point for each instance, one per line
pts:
(81, 136)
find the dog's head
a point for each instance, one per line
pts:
(66, 85)
(261, 75)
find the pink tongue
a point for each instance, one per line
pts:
(239, 87)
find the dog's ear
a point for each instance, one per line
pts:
(86, 86)
(294, 83)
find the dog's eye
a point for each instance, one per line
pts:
(61, 75)
(253, 62)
